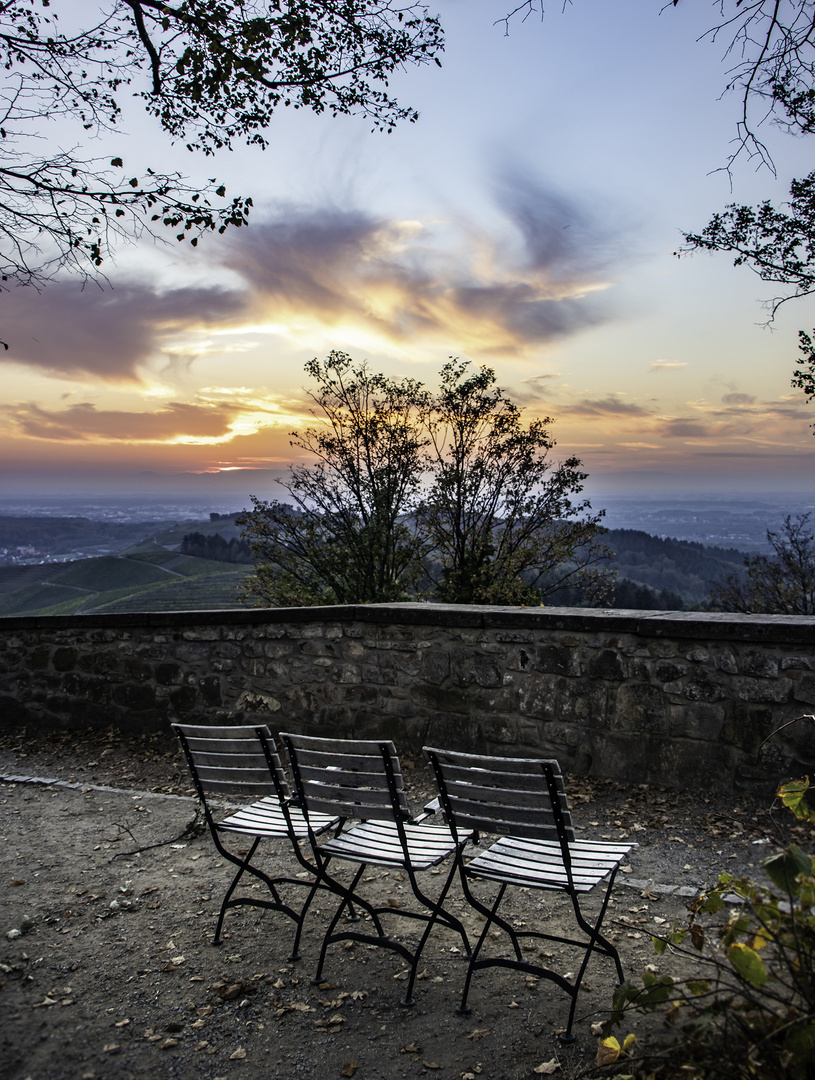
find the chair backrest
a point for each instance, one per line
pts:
(239, 761)
(523, 797)
(349, 778)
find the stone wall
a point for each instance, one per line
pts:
(674, 698)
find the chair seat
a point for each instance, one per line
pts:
(378, 843)
(266, 818)
(538, 864)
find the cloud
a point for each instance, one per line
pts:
(667, 365)
(106, 332)
(608, 406)
(507, 289)
(213, 418)
(684, 428)
(739, 399)
(453, 281)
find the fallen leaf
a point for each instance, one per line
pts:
(333, 1021)
(431, 1065)
(168, 1044)
(121, 1023)
(608, 1050)
(111, 1048)
(546, 1068)
(411, 1048)
(238, 1055)
(349, 1068)
(479, 1033)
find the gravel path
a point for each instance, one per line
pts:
(113, 974)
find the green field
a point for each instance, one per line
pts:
(141, 581)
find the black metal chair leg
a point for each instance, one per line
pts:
(241, 867)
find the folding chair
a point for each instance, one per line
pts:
(243, 762)
(524, 801)
(363, 780)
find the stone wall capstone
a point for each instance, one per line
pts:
(675, 698)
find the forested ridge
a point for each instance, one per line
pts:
(653, 573)
(682, 568)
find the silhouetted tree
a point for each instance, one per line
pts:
(346, 539)
(781, 584)
(212, 72)
(499, 515)
(496, 523)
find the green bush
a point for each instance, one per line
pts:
(751, 1014)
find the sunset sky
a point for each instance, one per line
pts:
(527, 221)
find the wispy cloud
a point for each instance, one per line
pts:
(214, 417)
(667, 365)
(106, 333)
(739, 399)
(607, 406)
(453, 282)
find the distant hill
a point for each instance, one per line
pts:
(55, 536)
(151, 581)
(152, 573)
(681, 567)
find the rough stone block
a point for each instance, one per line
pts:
(211, 690)
(254, 702)
(805, 689)
(558, 660)
(666, 671)
(538, 695)
(804, 663)
(761, 665)
(435, 667)
(346, 673)
(725, 661)
(641, 707)
(137, 670)
(183, 699)
(587, 704)
(606, 665)
(136, 696)
(276, 649)
(64, 659)
(703, 690)
(747, 688)
(437, 699)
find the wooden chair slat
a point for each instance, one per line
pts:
(236, 775)
(362, 747)
(475, 823)
(240, 759)
(243, 788)
(501, 774)
(537, 798)
(349, 779)
(351, 763)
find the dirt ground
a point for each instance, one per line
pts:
(112, 974)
